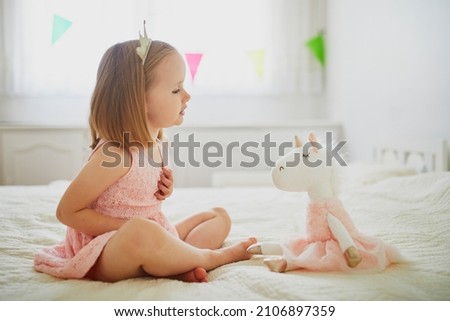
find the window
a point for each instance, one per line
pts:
(242, 47)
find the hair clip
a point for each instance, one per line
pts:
(145, 42)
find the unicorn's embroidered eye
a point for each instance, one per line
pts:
(306, 156)
(281, 168)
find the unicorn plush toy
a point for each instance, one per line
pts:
(332, 242)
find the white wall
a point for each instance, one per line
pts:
(389, 70)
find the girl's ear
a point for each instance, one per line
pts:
(146, 105)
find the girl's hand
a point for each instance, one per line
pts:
(165, 184)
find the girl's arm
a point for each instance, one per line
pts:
(92, 180)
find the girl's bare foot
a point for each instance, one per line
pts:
(237, 252)
(198, 275)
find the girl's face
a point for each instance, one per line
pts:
(167, 99)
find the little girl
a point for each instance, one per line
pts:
(115, 227)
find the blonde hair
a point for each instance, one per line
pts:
(118, 100)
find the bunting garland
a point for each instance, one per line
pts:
(61, 25)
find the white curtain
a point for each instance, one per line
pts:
(247, 47)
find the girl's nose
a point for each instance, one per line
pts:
(187, 97)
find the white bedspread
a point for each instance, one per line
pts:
(411, 212)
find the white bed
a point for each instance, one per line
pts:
(411, 212)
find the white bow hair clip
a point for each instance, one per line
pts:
(145, 43)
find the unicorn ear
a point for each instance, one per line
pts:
(312, 137)
(297, 142)
(313, 140)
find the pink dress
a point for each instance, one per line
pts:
(130, 196)
(320, 251)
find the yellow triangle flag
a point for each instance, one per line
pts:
(258, 58)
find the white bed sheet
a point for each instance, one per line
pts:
(411, 212)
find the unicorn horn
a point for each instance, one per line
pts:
(297, 142)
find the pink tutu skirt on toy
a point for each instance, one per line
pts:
(320, 251)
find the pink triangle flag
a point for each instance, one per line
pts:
(193, 60)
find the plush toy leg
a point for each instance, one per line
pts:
(345, 241)
(276, 264)
(265, 248)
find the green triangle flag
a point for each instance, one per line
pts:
(60, 26)
(317, 47)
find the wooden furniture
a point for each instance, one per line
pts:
(39, 154)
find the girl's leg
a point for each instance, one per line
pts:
(142, 247)
(205, 230)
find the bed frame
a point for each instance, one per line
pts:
(423, 156)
